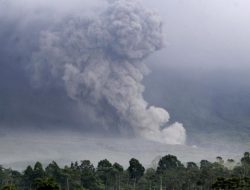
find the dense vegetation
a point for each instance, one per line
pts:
(169, 174)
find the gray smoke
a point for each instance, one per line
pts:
(99, 61)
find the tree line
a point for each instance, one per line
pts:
(169, 174)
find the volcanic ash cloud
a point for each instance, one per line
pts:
(99, 62)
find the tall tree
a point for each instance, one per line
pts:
(168, 162)
(89, 179)
(135, 169)
(45, 184)
(38, 171)
(105, 172)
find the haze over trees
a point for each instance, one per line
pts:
(170, 173)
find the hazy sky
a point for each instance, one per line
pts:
(201, 76)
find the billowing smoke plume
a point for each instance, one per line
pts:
(99, 61)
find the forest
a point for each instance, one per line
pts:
(169, 173)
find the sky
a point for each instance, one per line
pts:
(175, 78)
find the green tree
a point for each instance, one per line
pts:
(9, 187)
(55, 172)
(118, 167)
(192, 166)
(152, 179)
(106, 173)
(245, 162)
(45, 184)
(168, 162)
(206, 174)
(135, 169)
(89, 179)
(28, 177)
(205, 164)
(192, 173)
(38, 171)
(117, 173)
